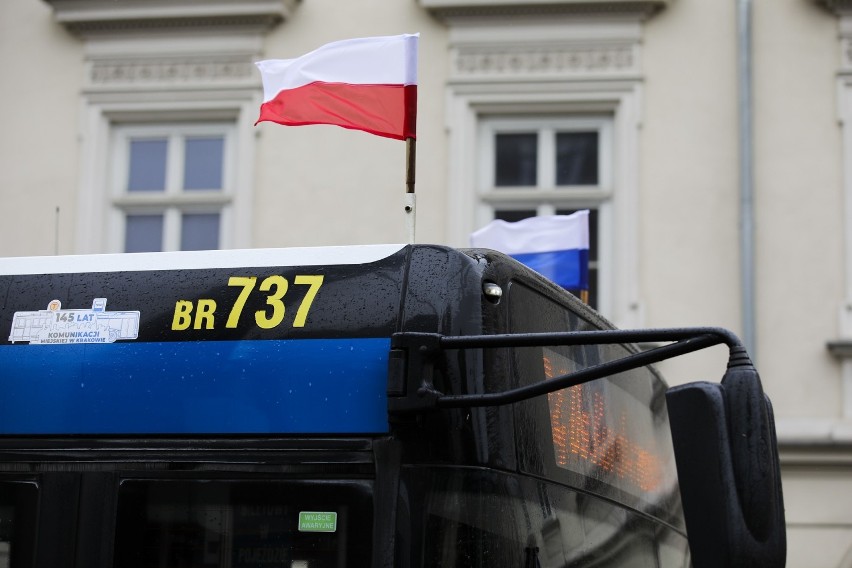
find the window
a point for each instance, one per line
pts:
(189, 67)
(171, 186)
(565, 95)
(18, 509)
(240, 524)
(547, 166)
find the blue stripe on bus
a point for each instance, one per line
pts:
(304, 386)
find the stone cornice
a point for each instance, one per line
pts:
(170, 71)
(449, 9)
(93, 17)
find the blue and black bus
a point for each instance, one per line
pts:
(370, 406)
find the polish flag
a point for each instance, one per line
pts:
(365, 84)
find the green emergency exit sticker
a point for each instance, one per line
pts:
(317, 521)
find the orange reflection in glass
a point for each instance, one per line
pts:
(585, 438)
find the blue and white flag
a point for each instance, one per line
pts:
(556, 246)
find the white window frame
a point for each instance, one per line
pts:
(98, 231)
(844, 90)
(173, 201)
(618, 103)
(546, 198)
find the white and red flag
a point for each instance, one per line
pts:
(365, 84)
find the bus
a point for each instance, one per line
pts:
(368, 406)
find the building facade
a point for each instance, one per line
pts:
(129, 125)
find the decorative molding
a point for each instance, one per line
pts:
(170, 71)
(448, 9)
(567, 60)
(89, 18)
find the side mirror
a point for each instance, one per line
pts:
(727, 462)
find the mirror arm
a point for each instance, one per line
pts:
(414, 355)
(579, 377)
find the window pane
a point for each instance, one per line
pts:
(203, 163)
(577, 158)
(513, 216)
(147, 165)
(516, 159)
(199, 231)
(219, 524)
(143, 233)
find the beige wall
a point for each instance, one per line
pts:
(690, 189)
(690, 254)
(818, 501)
(690, 267)
(798, 184)
(41, 65)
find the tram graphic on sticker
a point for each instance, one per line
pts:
(57, 326)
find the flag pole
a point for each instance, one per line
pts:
(410, 201)
(584, 296)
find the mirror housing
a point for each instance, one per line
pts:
(727, 462)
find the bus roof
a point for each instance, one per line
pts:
(193, 260)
